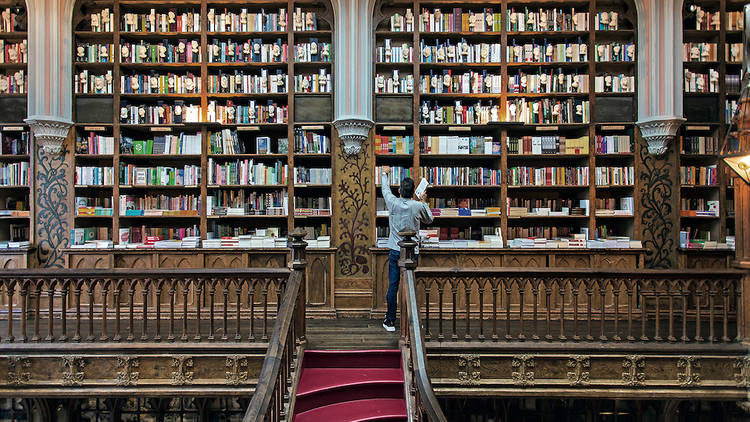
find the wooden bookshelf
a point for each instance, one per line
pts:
(16, 151)
(250, 59)
(611, 111)
(706, 109)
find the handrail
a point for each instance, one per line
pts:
(412, 331)
(271, 392)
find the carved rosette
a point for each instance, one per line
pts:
(353, 132)
(469, 367)
(659, 131)
(50, 132)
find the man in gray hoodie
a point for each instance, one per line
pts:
(403, 213)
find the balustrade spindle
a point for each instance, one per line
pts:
(548, 316)
(467, 293)
(50, 318)
(11, 289)
(63, 311)
(117, 306)
(576, 293)
(251, 300)
(494, 310)
(644, 313)
(185, 289)
(616, 299)
(37, 310)
(131, 307)
(629, 291)
(145, 285)
(211, 317)
(725, 292)
(264, 337)
(740, 313)
(684, 295)
(698, 319)
(521, 289)
(157, 292)
(602, 297)
(172, 293)
(225, 289)
(657, 297)
(24, 309)
(238, 295)
(441, 335)
(104, 336)
(535, 294)
(427, 332)
(481, 312)
(589, 293)
(561, 286)
(671, 338)
(198, 305)
(711, 305)
(508, 290)
(454, 317)
(77, 295)
(90, 291)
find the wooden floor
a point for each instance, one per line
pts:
(349, 333)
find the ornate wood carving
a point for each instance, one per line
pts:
(18, 370)
(469, 369)
(127, 373)
(635, 366)
(52, 209)
(578, 373)
(181, 260)
(72, 370)
(690, 377)
(227, 260)
(318, 280)
(236, 370)
(352, 222)
(136, 261)
(523, 374)
(182, 370)
(742, 377)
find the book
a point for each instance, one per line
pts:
(421, 188)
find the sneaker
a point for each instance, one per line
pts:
(389, 326)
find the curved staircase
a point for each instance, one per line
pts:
(351, 386)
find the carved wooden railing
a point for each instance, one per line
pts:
(271, 401)
(423, 404)
(521, 304)
(153, 305)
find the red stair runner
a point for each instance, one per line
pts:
(351, 386)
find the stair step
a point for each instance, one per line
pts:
(371, 410)
(352, 359)
(321, 387)
(317, 380)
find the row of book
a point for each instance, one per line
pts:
(470, 82)
(93, 206)
(14, 52)
(523, 207)
(16, 83)
(158, 205)
(396, 175)
(94, 176)
(14, 143)
(250, 51)
(305, 20)
(701, 82)
(314, 82)
(699, 176)
(451, 144)
(552, 144)
(170, 21)
(547, 111)
(102, 21)
(699, 144)
(182, 144)
(246, 172)
(548, 176)
(733, 52)
(394, 144)
(159, 114)
(470, 203)
(313, 51)
(95, 143)
(462, 51)
(732, 82)
(457, 20)
(14, 174)
(262, 82)
(92, 52)
(700, 52)
(615, 206)
(253, 112)
(475, 114)
(614, 83)
(228, 141)
(701, 239)
(314, 176)
(702, 19)
(615, 52)
(614, 176)
(242, 202)
(89, 237)
(465, 212)
(544, 20)
(390, 53)
(188, 175)
(312, 206)
(694, 207)
(145, 236)
(548, 82)
(220, 234)
(532, 52)
(308, 142)
(394, 83)
(156, 83)
(606, 21)
(614, 144)
(86, 82)
(166, 51)
(466, 176)
(10, 21)
(244, 21)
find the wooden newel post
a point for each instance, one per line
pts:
(299, 263)
(407, 262)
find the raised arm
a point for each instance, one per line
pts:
(385, 187)
(425, 214)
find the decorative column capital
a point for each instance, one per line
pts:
(353, 131)
(658, 131)
(50, 132)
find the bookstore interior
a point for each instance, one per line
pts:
(212, 125)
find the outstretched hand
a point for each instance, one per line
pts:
(386, 169)
(423, 196)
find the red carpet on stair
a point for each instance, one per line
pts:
(349, 386)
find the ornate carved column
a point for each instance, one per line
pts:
(50, 111)
(353, 211)
(659, 119)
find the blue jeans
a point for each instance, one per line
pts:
(394, 276)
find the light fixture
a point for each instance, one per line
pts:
(737, 157)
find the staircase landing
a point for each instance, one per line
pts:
(349, 334)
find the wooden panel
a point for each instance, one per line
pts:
(225, 260)
(83, 261)
(513, 260)
(571, 261)
(614, 261)
(134, 261)
(180, 260)
(476, 261)
(10, 261)
(268, 260)
(318, 279)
